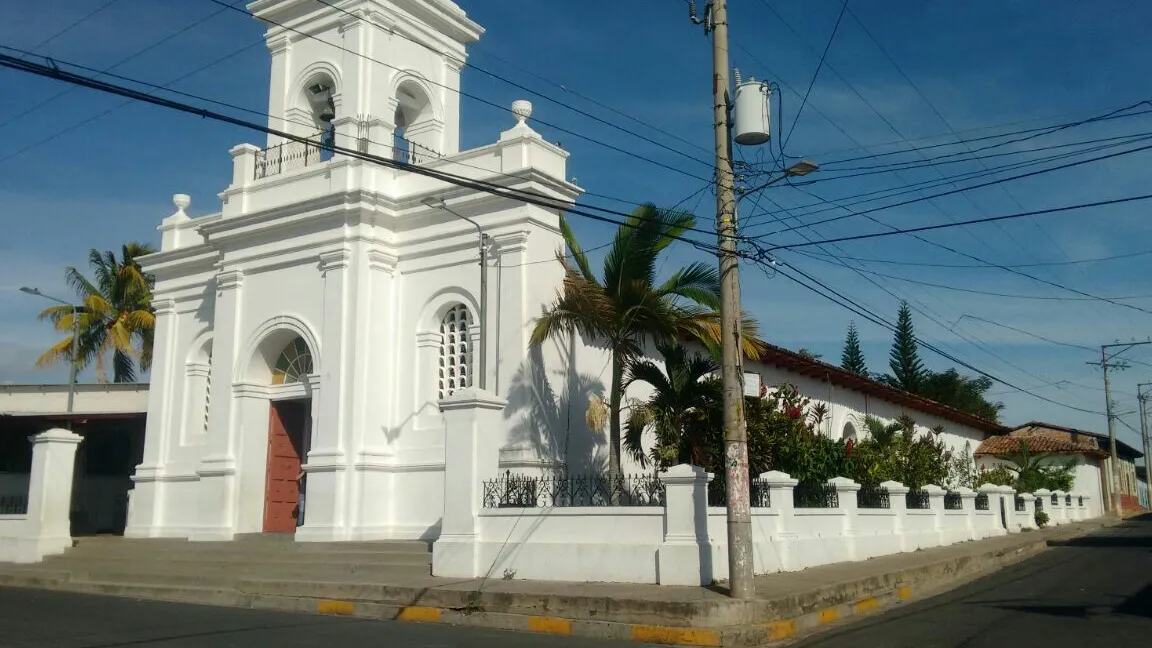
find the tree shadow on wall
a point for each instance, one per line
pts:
(553, 424)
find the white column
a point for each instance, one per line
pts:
(217, 469)
(898, 505)
(685, 556)
(780, 486)
(1028, 515)
(968, 504)
(846, 490)
(936, 505)
(473, 433)
(1044, 503)
(48, 528)
(146, 499)
(328, 468)
(1059, 510)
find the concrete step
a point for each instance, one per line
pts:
(236, 556)
(224, 596)
(263, 570)
(104, 546)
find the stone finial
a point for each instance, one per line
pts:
(182, 201)
(522, 109)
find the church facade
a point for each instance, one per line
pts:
(306, 332)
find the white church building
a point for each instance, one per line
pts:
(308, 333)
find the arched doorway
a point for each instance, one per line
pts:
(289, 437)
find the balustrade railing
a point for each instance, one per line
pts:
(1020, 505)
(524, 491)
(982, 502)
(757, 490)
(1068, 500)
(1055, 499)
(953, 502)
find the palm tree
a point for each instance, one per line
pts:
(117, 317)
(683, 387)
(628, 308)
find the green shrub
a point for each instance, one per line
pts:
(1041, 519)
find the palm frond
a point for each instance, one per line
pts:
(578, 254)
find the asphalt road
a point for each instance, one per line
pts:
(40, 619)
(1095, 591)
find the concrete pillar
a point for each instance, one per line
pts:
(846, 490)
(1059, 510)
(1044, 503)
(898, 505)
(473, 433)
(988, 522)
(936, 505)
(780, 485)
(685, 556)
(49, 530)
(1027, 517)
(968, 505)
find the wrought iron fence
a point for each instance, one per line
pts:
(757, 489)
(953, 502)
(524, 491)
(815, 495)
(982, 502)
(1081, 502)
(13, 504)
(1039, 503)
(917, 499)
(290, 156)
(1055, 499)
(1068, 500)
(873, 497)
(1020, 503)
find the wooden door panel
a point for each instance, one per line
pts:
(285, 449)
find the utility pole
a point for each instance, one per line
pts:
(1113, 461)
(1142, 398)
(740, 562)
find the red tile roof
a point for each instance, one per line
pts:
(1037, 443)
(771, 354)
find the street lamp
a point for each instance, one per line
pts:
(35, 292)
(438, 203)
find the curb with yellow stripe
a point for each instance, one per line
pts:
(744, 635)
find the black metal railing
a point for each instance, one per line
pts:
(290, 156)
(873, 497)
(13, 504)
(757, 490)
(917, 499)
(953, 502)
(1067, 500)
(815, 495)
(1081, 502)
(1020, 503)
(1039, 503)
(1055, 499)
(523, 491)
(982, 502)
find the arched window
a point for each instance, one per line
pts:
(849, 432)
(455, 351)
(293, 364)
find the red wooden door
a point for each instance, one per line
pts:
(287, 421)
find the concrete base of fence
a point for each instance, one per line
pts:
(787, 604)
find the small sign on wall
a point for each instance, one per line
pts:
(752, 383)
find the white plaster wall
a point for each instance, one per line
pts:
(90, 399)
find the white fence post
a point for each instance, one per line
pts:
(780, 485)
(846, 490)
(473, 432)
(936, 505)
(1029, 513)
(685, 556)
(1059, 512)
(968, 505)
(898, 504)
(47, 527)
(1044, 503)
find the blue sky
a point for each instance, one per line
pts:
(85, 170)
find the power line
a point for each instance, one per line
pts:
(54, 72)
(73, 25)
(816, 74)
(969, 188)
(974, 221)
(974, 291)
(463, 93)
(1114, 257)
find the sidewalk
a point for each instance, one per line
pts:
(786, 604)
